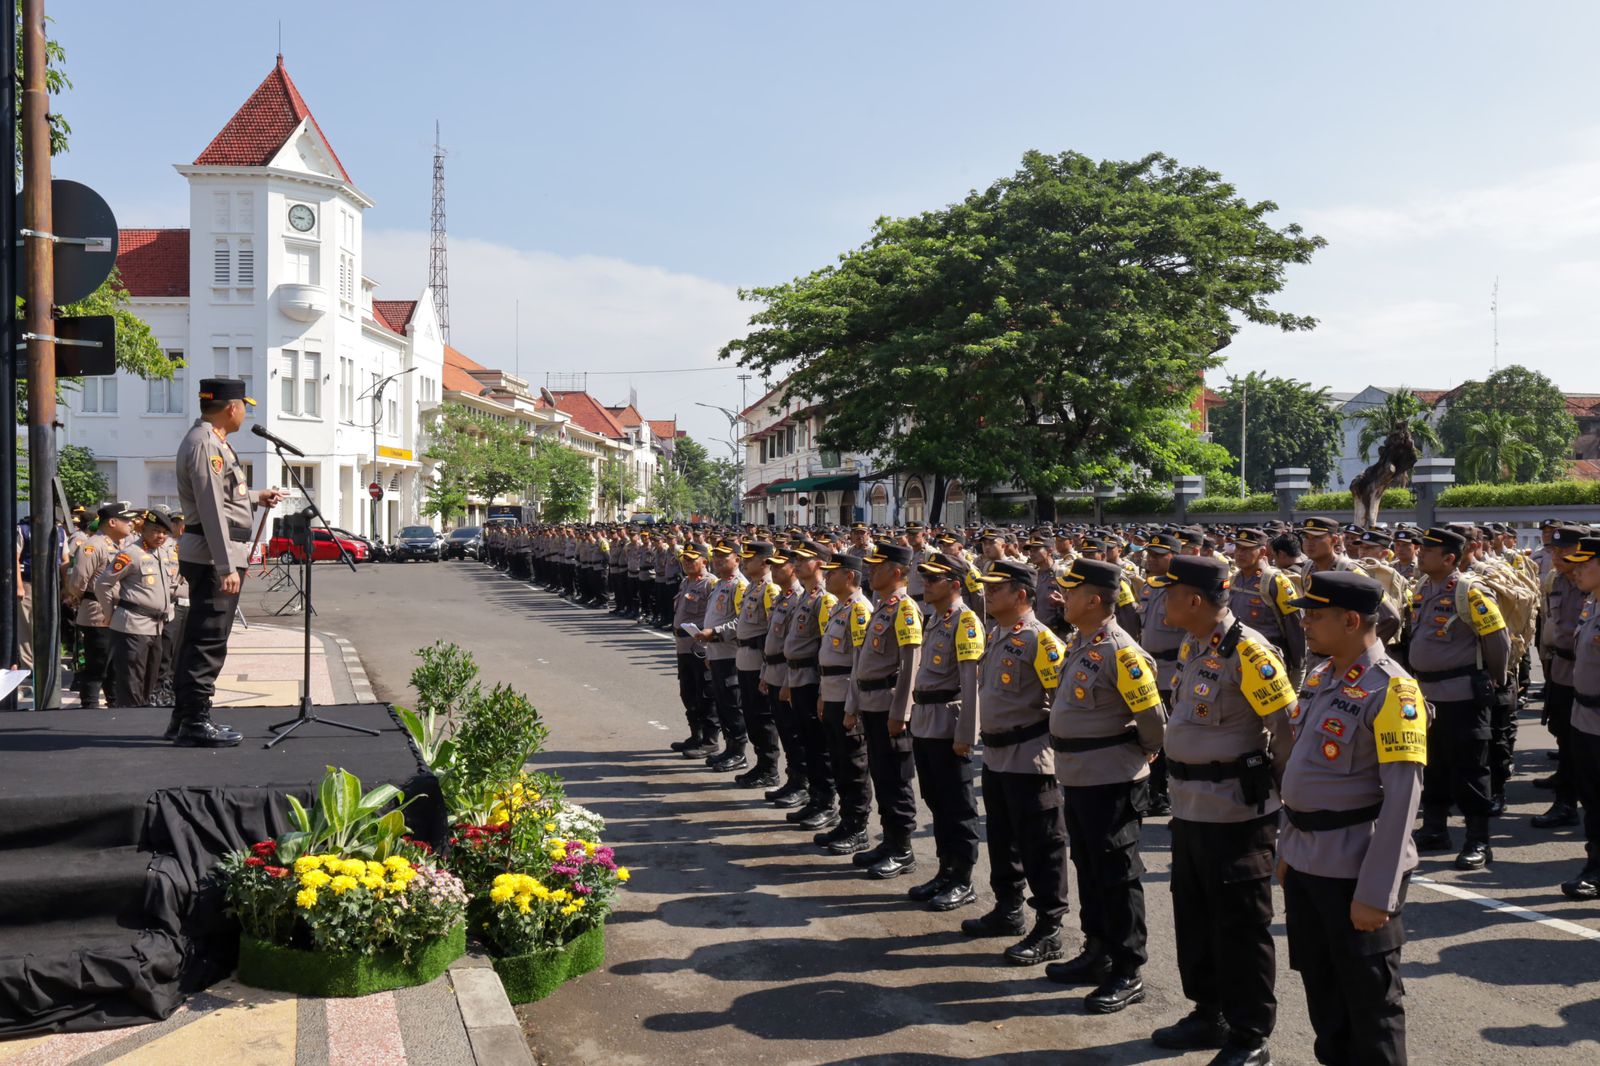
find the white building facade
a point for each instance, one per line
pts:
(267, 284)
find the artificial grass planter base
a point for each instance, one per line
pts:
(531, 977)
(321, 973)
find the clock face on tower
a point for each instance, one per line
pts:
(302, 218)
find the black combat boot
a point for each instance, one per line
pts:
(1435, 833)
(957, 891)
(1042, 944)
(928, 889)
(1001, 921)
(1476, 853)
(199, 731)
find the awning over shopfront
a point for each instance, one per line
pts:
(758, 491)
(814, 484)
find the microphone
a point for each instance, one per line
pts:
(261, 431)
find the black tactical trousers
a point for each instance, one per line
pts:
(847, 749)
(805, 703)
(1103, 828)
(1585, 748)
(1222, 920)
(96, 658)
(788, 724)
(171, 637)
(1352, 979)
(725, 698)
(135, 665)
(1502, 737)
(945, 780)
(1458, 759)
(892, 766)
(205, 639)
(1027, 839)
(696, 696)
(758, 719)
(1558, 719)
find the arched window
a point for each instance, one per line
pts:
(916, 509)
(879, 500)
(955, 505)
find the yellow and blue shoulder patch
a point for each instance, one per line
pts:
(1401, 727)
(860, 615)
(1283, 594)
(769, 596)
(1048, 656)
(1263, 679)
(907, 623)
(825, 607)
(1483, 612)
(1136, 679)
(969, 637)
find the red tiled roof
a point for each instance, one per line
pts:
(1586, 470)
(260, 128)
(154, 262)
(589, 414)
(627, 415)
(458, 358)
(757, 491)
(1431, 397)
(396, 314)
(665, 428)
(1582, 404)
(458, 372)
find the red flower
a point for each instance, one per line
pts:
(254, 860)
(421, 845)
(277, 871)
(265, 848)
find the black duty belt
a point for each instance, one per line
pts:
(1445, 675)
(878, 684)
(139, 608)
(753, 642)
(1564, 653)
(1082, 744)
(1314, 821)
(834, 671)
(930, 696)
(1007, 737)
(773, 660)
(1204, 771)
(235, 533)
(1592, 702)
(802, 664)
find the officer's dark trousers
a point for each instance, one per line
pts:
(171, 637)
(1585, 748)
(1027, 839)
(1103, 828)
(758, 717)
(1352, 979)
(697, 706)
(1222, 919)
(135, 665)
(1502, 737)
(787, 720)
(847, 748)
(1558, 718)
(96, 658)
(205, 639)
(804, 703)
(725, 698)
(945, 780)
(1458, 759)
(892, 766)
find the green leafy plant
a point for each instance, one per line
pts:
(1394, 499)
(1260, 501)
(1140, 503)
(496, 737)
(446, 685)
(1535, 494)
(345, 820)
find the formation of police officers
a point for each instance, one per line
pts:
(1291, 696)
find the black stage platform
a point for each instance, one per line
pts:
(108, 834)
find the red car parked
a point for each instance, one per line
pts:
(324, 546)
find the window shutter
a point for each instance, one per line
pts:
(220, 275)
(247, 265)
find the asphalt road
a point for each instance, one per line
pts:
(739, 942)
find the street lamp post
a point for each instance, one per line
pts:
(738, 453)
(377, 419)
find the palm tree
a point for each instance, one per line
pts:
(1497, 446)
(1400, 428)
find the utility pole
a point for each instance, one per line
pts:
(8, 365)
(38, 220)
(1494, 312)
(1244, 417)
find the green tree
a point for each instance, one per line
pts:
(486, 456)
(1050, 331)
(55, 80)
(618, 485)
(1526, 394)
(446, 497)
(720, 495)
(1496, 446)
(1287, 423)
(565, 482)
(1400, 427)
(670, 493)
(84, 484)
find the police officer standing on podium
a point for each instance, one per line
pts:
(215, 495)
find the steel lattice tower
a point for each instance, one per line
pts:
(438, 258)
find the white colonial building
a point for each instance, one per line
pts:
(268, 284)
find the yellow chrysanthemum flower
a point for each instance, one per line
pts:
(306, 898)
(374, 869)
(372, 882)
(306, 863)
(588, 848)
(397, 862)
(622, 873)
(549, 827)
(314, 879)
(342, 884)
(353, 868)
(396, 886)
(500, 893)
(523, 904)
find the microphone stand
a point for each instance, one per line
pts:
(283, 729)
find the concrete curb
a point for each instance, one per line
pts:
(492, 1027)
(359, 682)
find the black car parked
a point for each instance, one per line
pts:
(417, 542)
(461, 543)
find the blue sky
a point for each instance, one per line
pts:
(620, 169)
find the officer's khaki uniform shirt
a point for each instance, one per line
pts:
(1361, 738)
(1228, 702)
(726, 597)
(1563, 605)
(1107, 689)
(1017, 678)
(844, 632)
(134, 591)
(94, 556)
(891, 649)
(952, 645)
(689, 605)
(750, 628)
(803, 641)
(1261, 601)
(784, 613)
(1158, 638)
(214, 497)
(1442, 640)
(1586, 670)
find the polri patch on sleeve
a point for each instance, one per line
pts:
(1401, 727)
(1136, 680)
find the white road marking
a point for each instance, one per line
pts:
(1560, 924)
(657, 724)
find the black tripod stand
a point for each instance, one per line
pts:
(307, 541)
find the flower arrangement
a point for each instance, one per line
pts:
(531, 912)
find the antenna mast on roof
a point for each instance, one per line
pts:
(1494, 310)
(438, 261)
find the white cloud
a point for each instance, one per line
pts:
(580, 313)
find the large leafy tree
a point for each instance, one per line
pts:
(1399, 427)
(1049, 331)
(1543, 424)
(1497, 445)
(670, 493)
(1287, 423)
(82, 481)
(485, 455)
(618, 485)
(564, 482)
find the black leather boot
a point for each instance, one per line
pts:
(199, 731)
(1042, 944)
(1001, 921)
(1476, 853)
(928, 889)
(1435, 833)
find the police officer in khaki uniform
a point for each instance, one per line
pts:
(819, 808)
(1584, 738)
(749, 633)
(1161, 640)
(1227, 741)
(135, 592)
(1350, 792)
(1106, 726)
(214, 494)
(775, 682)
(1025, 830)
(844, 632)
(716, 634)
(92, 620)
(1260, 595)
(1561, 614)
(689, 607)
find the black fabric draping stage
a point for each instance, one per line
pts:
(108, 913)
